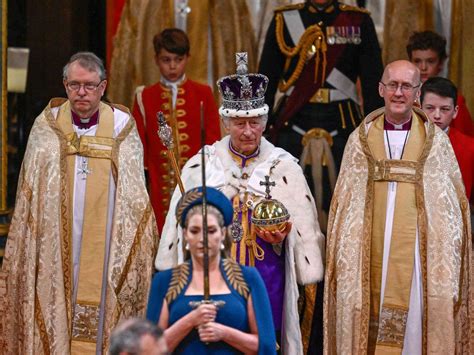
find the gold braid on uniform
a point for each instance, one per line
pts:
(312, 36)
(235, 277)
(179, 278)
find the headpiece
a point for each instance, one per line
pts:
(243, 94)
(214, 197)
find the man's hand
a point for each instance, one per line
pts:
(275, 237)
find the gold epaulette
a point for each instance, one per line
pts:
(290, 7)
(345, 7)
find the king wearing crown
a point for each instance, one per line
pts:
(248, 169)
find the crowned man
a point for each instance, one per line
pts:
(79, 255)
(399, 253)
(237, 165)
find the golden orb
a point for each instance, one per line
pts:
(270, 215)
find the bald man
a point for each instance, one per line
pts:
(398, 267)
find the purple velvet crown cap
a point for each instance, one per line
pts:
(243, 94)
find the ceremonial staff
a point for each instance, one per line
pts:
(166, 136)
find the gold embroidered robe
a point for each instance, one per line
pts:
(445, 247)
(38, 255)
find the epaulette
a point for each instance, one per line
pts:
(345, 7)
(290, 7)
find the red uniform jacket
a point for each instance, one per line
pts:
(463, 121)
(463, 147)
(186, 124)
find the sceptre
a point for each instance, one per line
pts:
(166, 136)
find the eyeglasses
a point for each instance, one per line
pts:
(88, 87)
(405, 87)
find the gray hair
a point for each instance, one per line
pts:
(263, 120)
(89, 61)
(127, 336)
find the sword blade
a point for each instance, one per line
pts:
(204, 208)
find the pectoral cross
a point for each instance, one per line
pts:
(267, 183)
(84, 169)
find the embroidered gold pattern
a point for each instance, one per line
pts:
(236, 279)
(393, 321)
(85, 322)
(179, 278)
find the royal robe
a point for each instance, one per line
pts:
(297, 262)
(463, 146)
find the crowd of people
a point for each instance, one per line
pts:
(365, 173)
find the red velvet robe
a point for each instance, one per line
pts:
(185, 121)
(463, 147)
(463, 121)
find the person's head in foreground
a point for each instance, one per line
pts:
(85, 80)
(219, 216)
(171, 53)
(427, 50)
(399, 87)
(137, 336)
(243, 111)
(438, 100)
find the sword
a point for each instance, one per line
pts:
(204, 208)
(207, 293)
(166, 136)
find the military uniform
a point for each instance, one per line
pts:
(315, 57)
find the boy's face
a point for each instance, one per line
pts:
(172, 66)
(427, 60)
(440, 110)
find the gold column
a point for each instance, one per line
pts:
(401, 19)
(461, 57)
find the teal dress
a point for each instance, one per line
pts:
(242, 282)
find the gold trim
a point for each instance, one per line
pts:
(66, 216)
(179, 279)
(290, 7)
(343, 119)
(317, 133)
(133, 250)
(183, 137)
(235, 277)
(182, 124)
(312, 37)
(180, 101)
(345, 7)
(41, 324)
(180, 113)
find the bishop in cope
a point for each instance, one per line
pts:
(398, 272)
(83, 235)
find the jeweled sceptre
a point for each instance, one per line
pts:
(166, 136)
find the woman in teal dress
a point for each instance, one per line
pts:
(240, 319)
